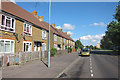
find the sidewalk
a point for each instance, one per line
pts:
(37, 69)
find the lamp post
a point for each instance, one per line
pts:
(49, 34)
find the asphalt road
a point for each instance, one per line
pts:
(95, 66)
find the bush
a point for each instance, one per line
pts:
(53, 51)
(69, 49)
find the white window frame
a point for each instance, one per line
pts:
(55, 46)
(67, 41)
(12, 52)
(64, 40)
(44, 34)
(26, 43)
(61, 39)
(44, 46)
(5, 24)
(30, 29)
(55, 37)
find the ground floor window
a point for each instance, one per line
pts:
(44, 47)
(27, 46)
(64, 47)
(55, 46)
(6, 46)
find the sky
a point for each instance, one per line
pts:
(86, 21)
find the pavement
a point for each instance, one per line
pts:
(38, 69)
(96, 66)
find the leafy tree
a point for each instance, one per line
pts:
(117, 15)
(78, 44)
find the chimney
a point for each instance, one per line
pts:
(34, 13)
(40, 18)
(69, 35)
(60, 29)
(65, 32)
(53, 25)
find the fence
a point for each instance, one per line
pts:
(21, 57)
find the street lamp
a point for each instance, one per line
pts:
(49, 34)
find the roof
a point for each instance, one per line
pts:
(57, 31)
(16, 10)
(51, 28)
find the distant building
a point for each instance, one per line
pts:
(98, 45)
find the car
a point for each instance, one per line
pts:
(84, 52)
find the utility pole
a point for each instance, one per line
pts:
(49, 34)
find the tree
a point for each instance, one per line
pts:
(78, 44)
(117, 15)
(91, 47)
(111, 40)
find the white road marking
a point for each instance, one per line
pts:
(91, 75)
(90, 67)
(91, 71)
(90, 64)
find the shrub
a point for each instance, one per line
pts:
(69, 49)
(53, 51)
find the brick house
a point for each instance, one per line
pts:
(23, 31)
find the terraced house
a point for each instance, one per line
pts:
(23, 31)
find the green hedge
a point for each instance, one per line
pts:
(69, 49)
(53, 51)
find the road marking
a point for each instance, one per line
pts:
(91, 71)
(67, 68)
(90, 67)
(91, 75)
(90, 64)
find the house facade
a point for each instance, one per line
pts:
(23, 31)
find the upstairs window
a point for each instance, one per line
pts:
(27, 29)
(44, 34)
(61, 40)
(55, 37)
(64, 40)
(67, 41)
(7, 23)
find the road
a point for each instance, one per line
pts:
(95, 66)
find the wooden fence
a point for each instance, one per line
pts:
(22, 57)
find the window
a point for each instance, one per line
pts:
(27, 29)
(61, 39)
(64, 47)
(7, 24)
(67, 41)
(27, 46)
(6, 46)
(55, 46)
(44, 34)
(55, 37)
(64, 40)
(44, 47)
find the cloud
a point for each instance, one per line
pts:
(91, 39)
(98, 24)
(13, 1)
(59, 27)
(69, 32)
(68, 27)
